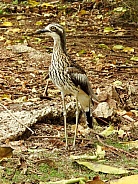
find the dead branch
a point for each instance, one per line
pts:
(56, 137)
(104, 36)
(19, 121)
(124, 66)
(113, 149)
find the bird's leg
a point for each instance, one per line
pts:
(65, 117)
(77, 118)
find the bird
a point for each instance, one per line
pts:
(69, 77)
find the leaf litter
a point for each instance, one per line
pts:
(22, 76)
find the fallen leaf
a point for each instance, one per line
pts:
(18, 146)
(103, 46)
(120, 9)
(108, 131)
(103, 168)
(117, 83)
(33, 3)
(75, 157)
(108, 29)
(133, 179)
(131, 144)
(121, 133)
(100, 152)
(118, 47)
(2, 38)
(81, 52)
(74, 180)
(128, 49)
(20, 17)
(47, 5)
(135, 112)
(80, 130)
(96, 180)
(5, 152)
(38, 23)
(82, 12)
(21, 99)
(34, 90)
(5, 97)
(13, 30)
(7, 24)
(135, 58)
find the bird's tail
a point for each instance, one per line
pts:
(89, 119)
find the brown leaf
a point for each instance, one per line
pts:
(96, 180)
(5, 152)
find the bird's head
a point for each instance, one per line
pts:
(54, 30)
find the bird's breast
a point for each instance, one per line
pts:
(61, 78)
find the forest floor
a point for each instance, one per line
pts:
(107, 49)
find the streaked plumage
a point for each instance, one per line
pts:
(68, 76)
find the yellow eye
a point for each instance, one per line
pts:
(53, 28)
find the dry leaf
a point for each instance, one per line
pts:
(2, 38)
(5, 152)
(100, 152)
(108, 29)
(7, 24)
(80, 130)
(131, 144)
(108, 131)
(134, 58)
(128, 49)
(75, 157)
(96, 180)
(133, 179)
(103, 168)
(118, 47)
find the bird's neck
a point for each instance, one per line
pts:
(59, 45)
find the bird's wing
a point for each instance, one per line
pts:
(79, 78)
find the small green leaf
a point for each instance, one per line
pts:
(102, 45)
(117, 83)
(128, 49)
(7, 24)
(81, 52)
(134, 58)
(108, 131)
(120, 9)
(108, 29)
(38, 23)
(1, 12)
(118, 47)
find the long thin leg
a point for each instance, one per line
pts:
(77, 118)
(65, 118)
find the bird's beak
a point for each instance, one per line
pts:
(42, 31)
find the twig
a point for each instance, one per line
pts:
(116, 55)
(134, 66)
(91, 36)
(116, 149)
(105, 122)
(46, 88)
(56, 137)
(104, 36)
(16, 118)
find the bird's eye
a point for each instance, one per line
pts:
(53, 28)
